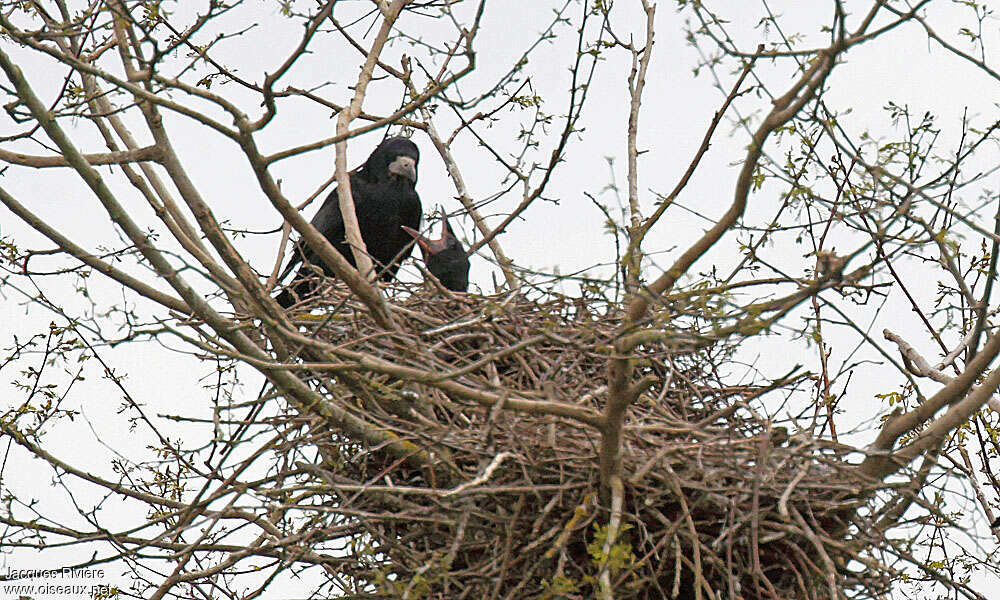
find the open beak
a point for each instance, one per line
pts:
(428, 247)
(404, 166)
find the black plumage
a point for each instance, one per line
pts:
(445, 258)
(385, 200)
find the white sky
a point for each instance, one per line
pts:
(903, 67)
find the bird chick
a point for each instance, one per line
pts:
(445, 257)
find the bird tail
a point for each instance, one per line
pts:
(284, 299)
(299, 289)
(287, 297)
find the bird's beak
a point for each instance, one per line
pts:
(428, 247)
(404, 166)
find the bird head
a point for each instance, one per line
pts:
(445, 257)
(395, 157)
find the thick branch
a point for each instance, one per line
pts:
(147, 153)
(470, 207)
(351, 227)
(785, 108)
(89, 259)
(295, 389)
(882, 462)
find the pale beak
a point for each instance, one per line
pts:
(404, 166)
(428, 247)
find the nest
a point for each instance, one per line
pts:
(497, 500)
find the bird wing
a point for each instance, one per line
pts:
(330, 223)
(383, 207)
(327, 221)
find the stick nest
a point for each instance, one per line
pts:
(496, 501)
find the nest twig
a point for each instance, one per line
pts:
(717, 502)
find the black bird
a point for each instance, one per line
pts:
(384, 200)
(445, 258)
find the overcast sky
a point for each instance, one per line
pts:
(565, 235)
